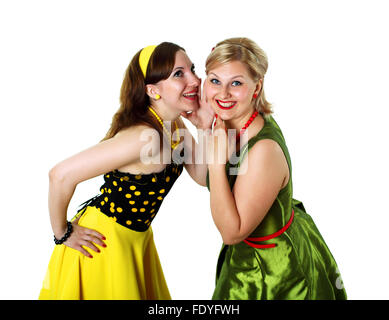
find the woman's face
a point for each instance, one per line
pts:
(230, 89)
(180, 90)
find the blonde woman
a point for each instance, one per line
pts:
(272, 248)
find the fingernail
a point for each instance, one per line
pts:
(104, 245)
(90, 257)
(104, 238)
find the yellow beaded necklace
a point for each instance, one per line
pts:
(172, 145)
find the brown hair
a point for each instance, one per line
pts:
(249, 53)
(134, 101)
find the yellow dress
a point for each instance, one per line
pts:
(129, 267)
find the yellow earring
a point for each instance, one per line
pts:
(157, 97)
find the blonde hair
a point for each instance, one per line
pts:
(249, 53)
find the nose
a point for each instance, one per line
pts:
(194, 80)
(224, 92)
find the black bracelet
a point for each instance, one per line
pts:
(67, 234)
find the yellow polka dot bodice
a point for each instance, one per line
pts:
(133, 200)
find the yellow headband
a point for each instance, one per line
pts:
(144, 58)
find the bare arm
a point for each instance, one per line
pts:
(195, 155)
(108, 155)
(237, 213)
(202, 119)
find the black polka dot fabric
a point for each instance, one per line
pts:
(133, 200)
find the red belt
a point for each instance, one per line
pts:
(272, 236)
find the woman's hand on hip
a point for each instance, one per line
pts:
(84, 237)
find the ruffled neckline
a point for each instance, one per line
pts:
(122, 173)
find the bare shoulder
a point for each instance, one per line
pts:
(265, 158)
(134, 131)
(137, 135)
(265, 150)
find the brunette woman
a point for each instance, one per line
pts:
(107, 251)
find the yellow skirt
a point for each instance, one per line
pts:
(128, 268)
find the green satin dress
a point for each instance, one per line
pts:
(299, 267)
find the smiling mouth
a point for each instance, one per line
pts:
(191, 95)
(225, 105)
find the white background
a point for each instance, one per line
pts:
(61, 68)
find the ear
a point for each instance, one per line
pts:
(152, 90)
(258, 87)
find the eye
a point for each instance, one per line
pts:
(214, 81)
(178, 74)
(236, 83)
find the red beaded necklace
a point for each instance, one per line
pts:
(253, 116)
